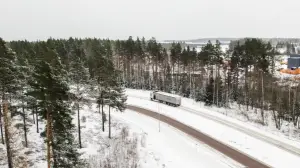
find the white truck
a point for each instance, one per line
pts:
(163, 97)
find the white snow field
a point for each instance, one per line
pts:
(256, 148)
(169, 147)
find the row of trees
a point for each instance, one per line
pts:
(242, 75)
(49, 79)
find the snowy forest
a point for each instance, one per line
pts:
(47, 81)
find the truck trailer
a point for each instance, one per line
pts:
(163, 97)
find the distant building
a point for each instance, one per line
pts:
(294, 55)
(294, 61)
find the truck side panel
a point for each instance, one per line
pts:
(166, 98)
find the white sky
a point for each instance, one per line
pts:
(163, 19)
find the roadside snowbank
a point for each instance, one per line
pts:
(256, 148)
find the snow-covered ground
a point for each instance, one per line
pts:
(256, 148)
(288, 133)
(170, 147)
(143, 144)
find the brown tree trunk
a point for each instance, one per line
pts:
(214, 87)
(217, 85)
(24, 124)
(99, 106)
(246, 89)
(295, 116)
(177, 80)
(103, 129)
(153, 75)
(109, 121)
(262, 98)
(37, 119)
(173, 71)
(7, 135)
(156, 75)
(49, 135)
(33, 118)
(79, 131)
(138, 75)
(1, 131)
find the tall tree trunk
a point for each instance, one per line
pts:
(99, 107)
(79, 131)
(153, 75)
(78, 118)
(177, 80)
(37, 119)
(49, 127)
(103, 129)
(1, 131)
(7, 135)
(109, 122)
(190, 79)
(33, 118)
(156, 75)
(295, 116)
(214, 87)
(193, 78)
(138, 75)
(124, 69)
(217, 85)
(173, 83)
(262, 98)
(226, 87)
(24, 124)
(246, 89)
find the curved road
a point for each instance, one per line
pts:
(282, 145)
(230, 152)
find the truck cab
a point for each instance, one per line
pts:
(152, 95)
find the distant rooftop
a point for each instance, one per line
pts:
(294, 55)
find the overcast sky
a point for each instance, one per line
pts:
(163, 19)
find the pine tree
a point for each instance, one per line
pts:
(140, 59)
(103, 70)
(175, 58)
(209, 92)
(51, 90)
(8, 73)
(23, 77)
(217, 61)
(78, 75)
(115, 98)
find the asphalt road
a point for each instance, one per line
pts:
(236, 155)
